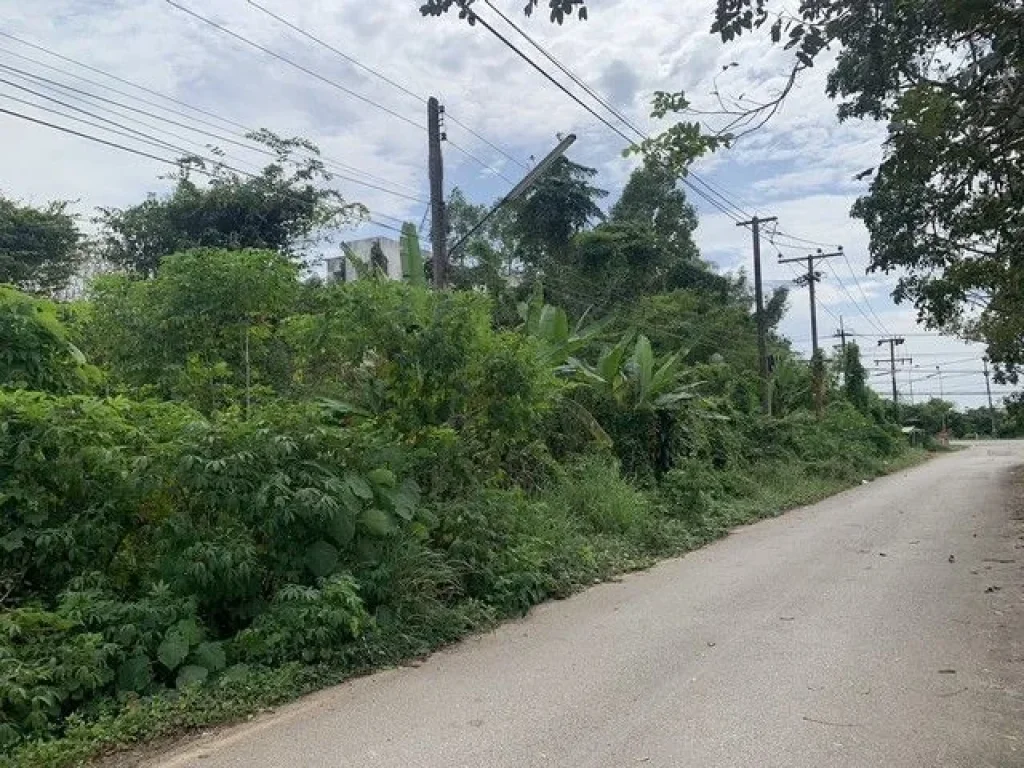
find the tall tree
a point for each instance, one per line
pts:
(40, 248)
(284, 208)
(562, 203)
(653, 198)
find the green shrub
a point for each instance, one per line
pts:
(304, 623)
(35, 350)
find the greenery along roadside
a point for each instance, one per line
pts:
(492, 556)
(418, 473)
(221, 485)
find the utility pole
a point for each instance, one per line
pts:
(942, 396)
(893, 342)
(988, 390)
(810, 279)
(438, 224)
(841, 333)
(762, 325)
(519, 189)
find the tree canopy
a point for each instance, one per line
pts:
(561, 203)
(282, 208)
(40, 248)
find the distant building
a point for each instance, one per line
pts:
(381, 252)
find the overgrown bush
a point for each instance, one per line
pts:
(397, 473)
(35, 350)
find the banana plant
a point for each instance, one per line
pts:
(550, 325)
(636, 380)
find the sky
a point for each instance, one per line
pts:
(800, 167)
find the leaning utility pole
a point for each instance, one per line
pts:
(988, 390)
(810, 279)
(762, 325)
(519, 189)
(438, 225)
(893, 342)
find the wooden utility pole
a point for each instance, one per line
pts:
(438, 223)
(988, 391)
(762, 325)
(893, 342)
(810, 279)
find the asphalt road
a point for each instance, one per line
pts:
(883, 627)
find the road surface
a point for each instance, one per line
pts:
(882, 627)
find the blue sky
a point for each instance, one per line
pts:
(800, 167)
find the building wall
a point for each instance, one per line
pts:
(338, 268)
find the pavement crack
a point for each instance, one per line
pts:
(829, 722)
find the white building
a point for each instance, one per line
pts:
(389, 253)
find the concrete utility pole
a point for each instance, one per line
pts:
(942, 395)
(810, 279)
(438, 223)
(519, 189)
(893, 342)
(841, 335)
(762, 325)
(988, 390)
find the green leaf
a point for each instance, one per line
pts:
(173, 649)
(643, 357)
(236, 673)
(412, 258)
(665, 375)
(135, 674)
(190, 630)
(403, 500)
(210, 656)
(553, 326)
(382, 477)
(358, 485)
(377, 522)
(191, 675)
(342, 527)
(321, 558)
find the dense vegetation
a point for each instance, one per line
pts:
(947, 79)
(222, 485)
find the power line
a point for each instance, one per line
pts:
(864, 296)
(839, 281)
(121, 80)
(876, 325)
(476, 18)
(565, 70)
(141, 153)
(96, 139)
(117, 128)
(252, 148)
(594, 94)
(292, 63)
(244, 132)
(376, 73)
(333, 83)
